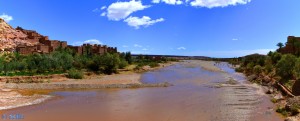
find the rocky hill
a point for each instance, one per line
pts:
(10, 37)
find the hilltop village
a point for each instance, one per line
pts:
(29, 42)
(44, 45)
(290, 45)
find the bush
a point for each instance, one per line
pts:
(285, 66)
(257, 69)
(273, 100)
(268, 68)
(294, 109)
(296, 70)
(282, 111)
(137, 67)
(75, 74)
(107, 63)
(239, 69)
(123, 64)
(153, 64)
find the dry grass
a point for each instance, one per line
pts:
(33, 92)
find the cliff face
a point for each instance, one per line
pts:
(10, 37)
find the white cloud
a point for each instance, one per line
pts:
(144, 49)
(155, 1)
(93, 41)
(217, 3)
(121, 10)
(6, 17)
(181, 48)
(103, 7)
(125, 46)
(90, 41)
(172, 2)
(96, 10)
(235, 39)
(137, 45)
(99, 10)
(103, 14)
(144, 21)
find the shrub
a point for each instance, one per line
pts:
(128, 57)
(239, 69)
(107, 63)
(153, 64)
(282, 111)
(123, 64)
(296, 70)
(257, 69)
(137, 67)
(273, 100)
(285, 66)
(294, 109)
(75, 74)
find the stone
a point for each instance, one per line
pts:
(278, 97)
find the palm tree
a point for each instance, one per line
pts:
(280, 45)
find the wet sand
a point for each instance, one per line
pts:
(12, 99)
(193, 97)
(10, 96)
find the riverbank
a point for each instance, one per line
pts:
(25, 93)
(13, 98)
(189, 99)
(286, 103)
(207, 65)
(242, 88)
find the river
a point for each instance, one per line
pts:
(197, 95)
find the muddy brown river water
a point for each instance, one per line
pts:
(197, 95)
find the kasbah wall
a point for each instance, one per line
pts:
(44, 45)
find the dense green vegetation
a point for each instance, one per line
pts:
(282, 68)
(276, 69)
(142, 60)
(66, 61)
(75, 74)
(57, 62)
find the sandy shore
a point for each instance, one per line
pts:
(207, 65)
(13, 95)
(11, 98)
(124, 80)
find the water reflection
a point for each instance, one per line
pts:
(190, 99)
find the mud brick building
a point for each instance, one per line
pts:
(44, 45)
(289, 47)
(93, 49)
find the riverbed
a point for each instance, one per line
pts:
(197, 94)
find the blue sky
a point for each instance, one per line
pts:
(216, 28)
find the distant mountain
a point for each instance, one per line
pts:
(11, 37)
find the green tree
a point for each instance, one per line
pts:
(106, 63)
(296, 69)
(285, 66)
(128, 57)
(257, 69)
(123, 63)
(64, 60)
(275, 57)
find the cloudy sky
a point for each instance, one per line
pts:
(217, 28)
